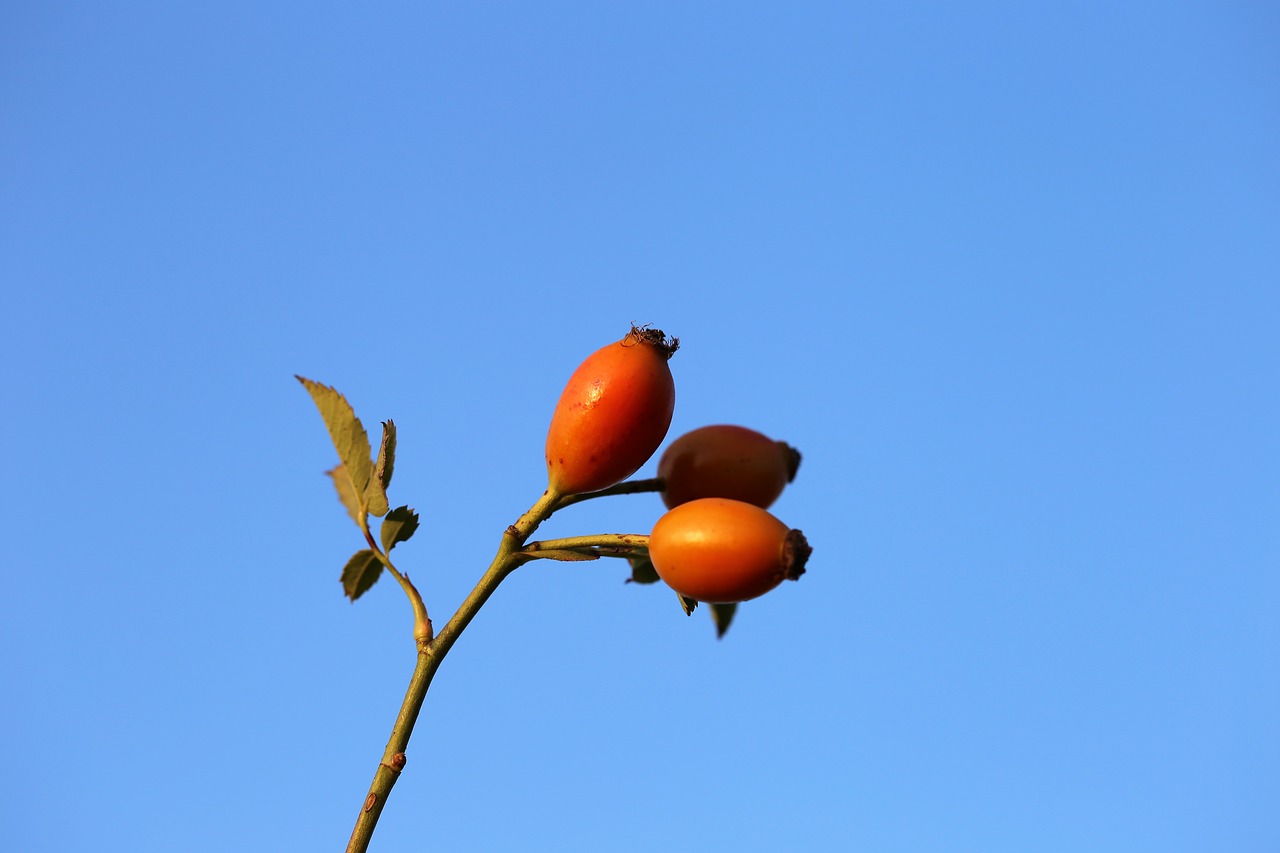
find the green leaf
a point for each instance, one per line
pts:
(566, 556)
(642, 570)
(398, 526)
(687, 603)
(376, 496)
(386, 454)
(360, 573)
(346, 493)
(351, 442)
(721, 616)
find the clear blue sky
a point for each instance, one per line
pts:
(1007, 273)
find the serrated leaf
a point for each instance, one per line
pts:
(349, 439)
(398, 526)
(721, 616)
(346, 493)
(360, 573)
(386, 454)
(642, 570)
(687, 603)
(566, 556)
(380, 481)
(375, 498)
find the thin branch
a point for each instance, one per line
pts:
(601, 544)
(431, 653)
(422, 629)
(630, 487)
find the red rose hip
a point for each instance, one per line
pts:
(613, 413)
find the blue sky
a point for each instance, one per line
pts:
(1006, 273)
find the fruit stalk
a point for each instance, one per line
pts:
(599, 545)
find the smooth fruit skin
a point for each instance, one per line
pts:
(721, 551)
(724, 461)
(613, 414)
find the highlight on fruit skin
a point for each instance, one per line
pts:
(613, 413)
(726, 461)
(724, 551)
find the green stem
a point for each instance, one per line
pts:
(422, 630)
(431, 652)
(393, 758)
(630, 487)
(603, 544)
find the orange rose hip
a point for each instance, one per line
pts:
(721, 551)
(613, 413)
(724, 461)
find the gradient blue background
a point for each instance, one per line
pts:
(1007, 273)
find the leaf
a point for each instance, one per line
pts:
(349, 439)
(687, 603)
(346, 493)
(386, 454)
(642, 570)
(360, 573)
(566, 556)
(380, 481)
(398, 526)
(721, 616)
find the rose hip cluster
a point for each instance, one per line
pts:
(717, 542)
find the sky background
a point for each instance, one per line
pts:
(1008, 274)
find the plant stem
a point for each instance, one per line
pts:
(628, 487)
(602, 544)
(393, 758)
(422, 630)
(431, 653)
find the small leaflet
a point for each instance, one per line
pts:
(360, 573)
(346, 493)
(398, 526)
(380, 481)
